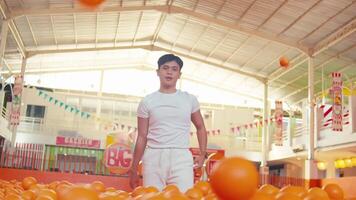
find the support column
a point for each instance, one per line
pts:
(100, 93)
(4, 32)
(311, 105)
(330, 170)
(264, 170)
(311, 170)
(352, 108)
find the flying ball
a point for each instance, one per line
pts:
(91, 3)
(283, 62)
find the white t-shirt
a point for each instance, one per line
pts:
(169, 118)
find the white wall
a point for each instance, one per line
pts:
(4, 131)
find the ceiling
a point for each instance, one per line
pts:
(235, 44)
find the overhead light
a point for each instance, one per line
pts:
(321, 165)
(348, 162)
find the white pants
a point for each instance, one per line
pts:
(163, 167)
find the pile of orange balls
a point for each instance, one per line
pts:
(231, 179)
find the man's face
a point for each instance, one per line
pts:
(169, 73)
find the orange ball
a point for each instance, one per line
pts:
(316, 193)
(28, 195)
(262, 196)
(234, 179)
(203, 186)
(28, 182)
(295, 190)
(268, 189)
(91, 3)
(80, 193)
(287, 196)
(97, 186)
(194, 193)
(283, 62)
(334, 191)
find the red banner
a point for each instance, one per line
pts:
(16, 101)
(77, 142)
(337, 101)
(278, 114)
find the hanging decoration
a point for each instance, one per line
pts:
(109, 125)
(213, 132)
(336, 93)
(61, 104)
(16, 101)
(278, 114)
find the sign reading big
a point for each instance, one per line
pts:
(118, 158)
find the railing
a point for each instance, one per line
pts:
(33, 159)
(281, 181)
(23, 156)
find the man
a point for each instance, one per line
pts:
(164, 119)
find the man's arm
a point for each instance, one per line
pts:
(198, 122)
(141, 141)
(142, 127)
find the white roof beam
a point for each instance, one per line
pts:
(200, 59)
(137, 27)
(236, 50)
(326, 21)
(302, 75)
(96, 29)
(341, 70)
(298, 18)
(80, 69)
(271, 15)
(335, 37)
(5, 13)
(218, 45)
(201, 36)
(280, 72)
(255, 55)
(31, 30)
(75, 29)
(344, 68)
(39, 52)
(9, 68)
(153, 48)
(275, 59)
(185, 23)
(180, 32)
(207, 27)
(117, 29)
(54, 31)
(246, 11)
(329, 60)
(162, 19)
(165, 9)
